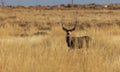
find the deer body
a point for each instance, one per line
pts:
(76, 42)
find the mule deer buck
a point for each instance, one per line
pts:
(76, 42)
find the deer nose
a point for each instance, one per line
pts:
(69, 33)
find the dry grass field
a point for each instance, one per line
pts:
(33, 41)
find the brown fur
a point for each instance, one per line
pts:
(80, 42)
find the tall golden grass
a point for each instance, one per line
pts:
(23, 48)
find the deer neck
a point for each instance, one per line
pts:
(68, 39)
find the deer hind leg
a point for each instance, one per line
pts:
(80, 43)
(88, 41)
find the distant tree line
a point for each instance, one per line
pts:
(71, 6)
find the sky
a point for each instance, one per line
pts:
(56, 2)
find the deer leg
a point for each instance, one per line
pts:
(73, 43)
(88, 42)
(80, 44)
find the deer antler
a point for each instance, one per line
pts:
(63, 26)
(65, 29)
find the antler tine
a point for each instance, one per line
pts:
(74, 26)
(63, 26)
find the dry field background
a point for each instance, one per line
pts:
(32, 41)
